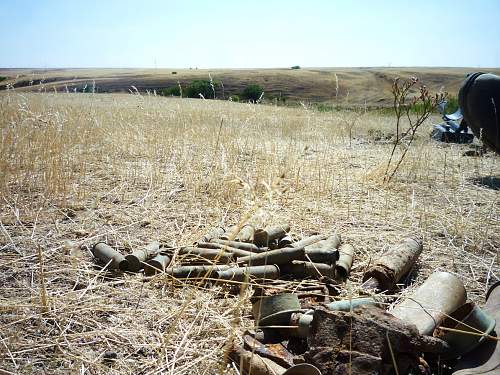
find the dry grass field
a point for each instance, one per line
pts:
(127, 169)
(344, 87)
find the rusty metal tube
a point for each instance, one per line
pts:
(246, 233)
(300, 269)
(210, 254)
(138, 257)
(216, 232)
(344, 263)
(262, 237)
(239, 245)
(278, 256)
(440, 295)
(309, 240)
(392, 265)
(194, 271)
(234, 250)
(158, 264)
(319, 255)
(242, 273)
(106, 253)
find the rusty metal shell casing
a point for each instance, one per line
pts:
(246, 233)
(231, 233)
(210, 254)
(216, 232)
(195, 271)
(285, 241)
(440, 295)
(235, 251)
(278, 256)
(392, 265)
(330, 243)
(239, 245)
(300, 269)
(319, 255)
(255, 272)
(262, 237)
(158, 264)
(344, 263)
(308, 241)
(136, 259)
(106, 253)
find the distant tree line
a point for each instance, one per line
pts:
(209, 89)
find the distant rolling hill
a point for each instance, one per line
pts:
(335, 86)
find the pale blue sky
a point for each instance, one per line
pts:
(245, 34)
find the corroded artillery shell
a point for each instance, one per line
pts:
(440, 295)
(194, 271)
(235, 251)
(246, 233)
(210, 254)
(239, 245)
(136, 259)
(231, 233)
(392, 265)
(158, 264)
(106, 253)
(278, 256)
(319, 255)
(344, 263)
(242, 273)
(216, 232)
(309, 240)
(285, 241)
(262, 237)
(300, 269)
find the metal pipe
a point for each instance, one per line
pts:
(344, 263)
(234, 250)
(158, 264)
(242, 273)
(210, 254)
(278, 256)
(106, 253)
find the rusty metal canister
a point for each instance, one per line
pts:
(106, 253)
(440, 295)
(241, 273)
(195, 271)
(239, 245)
(246, 233)
(216, 232)
(210, 254)
(138, 257)
(344, 263)
(158, 264)
(278, 256)
(392, 265)
(234, 250)
(300, 269)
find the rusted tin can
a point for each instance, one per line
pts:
(138, 257)
(278, 256)
(239, 245)
(344, 263)
(235, 251)
(246, 233)
(440, 295)
(106, 253)
(182, 272)
(210, 254)
(254, 272)
(392, 265)
(300, 269)
(158, 264)
(216, 232)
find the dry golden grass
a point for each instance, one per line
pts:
(128, 169)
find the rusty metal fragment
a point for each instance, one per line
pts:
(106, 253)
(138, 257)
(276, 352)
(252, 363)
(278, 256)
(344, 263)
(392, 265)
(254, 272)
(158, 264)
(440, 295)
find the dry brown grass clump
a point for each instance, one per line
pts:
(128, 169)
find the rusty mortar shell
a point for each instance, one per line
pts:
(234, 250)
(210, 254)
(246, 233)
(158, 264)
(194, 271)
(285, 241)
(138, 257)
(106, 253)
(230, 234)
(440, 295)
(256, 272)
(278, 256)
(393, 264)
(300, 269)
(239, 245)
(344, 263)
(309, 240)
(216, 232)
(319, 255)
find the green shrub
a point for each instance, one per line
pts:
(202, 87)
(174, 72)
(252, 92)
(452, 104)
(295, 67)
(234, 98)
(2, 78)
(171, 91)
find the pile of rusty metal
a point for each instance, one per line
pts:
(426, 330)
